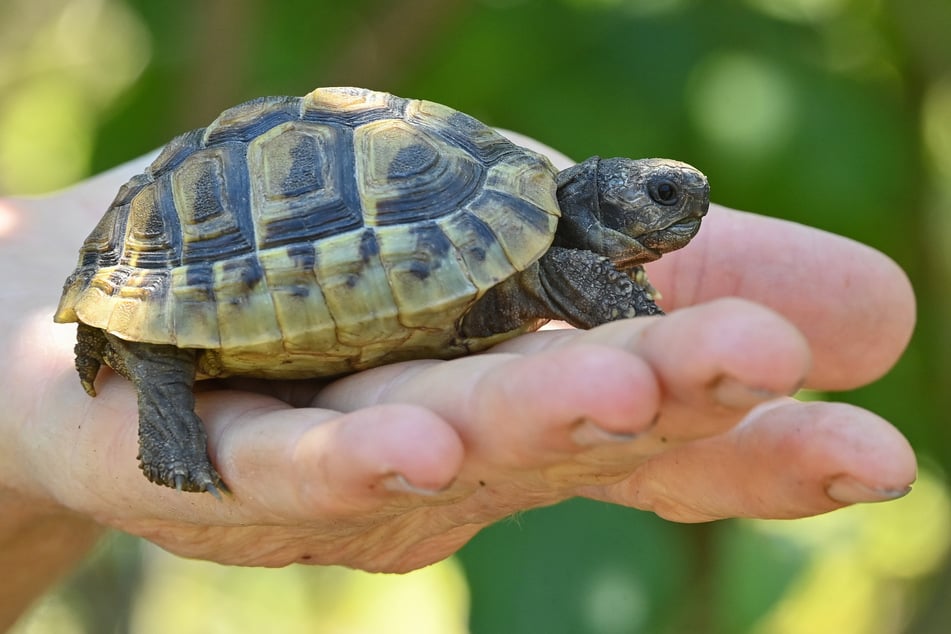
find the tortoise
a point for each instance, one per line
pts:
(304, 237)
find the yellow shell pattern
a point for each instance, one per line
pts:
(313, 236)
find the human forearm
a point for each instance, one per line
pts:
(37, 547)
(40, 540)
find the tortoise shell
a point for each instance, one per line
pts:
(314, 236)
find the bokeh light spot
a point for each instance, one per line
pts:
(81, 56)
(45, 137)
(858, 558)
(187, 596)
(799, 10)
(633, 7)
(741, 104)
(615, 601)
(936, 127)
(8, 219)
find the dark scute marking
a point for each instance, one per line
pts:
(251, 118)
(234, 237)
(411, 160)
(432, 248)
(101, 247)
(465, 123)
(153, 237)
(304, 173)
(151, 284)
(154, 224)
(207, 197)
(150, 225)
(302, 255)
(368, 246)
(118, 278)
(79, 278)
(170, 254)
(352, 280)
(311, 224)
(201, 276)
(394, 108)
(249, 270)
(300, 291)
(176, 151)
(420, 269)
(526, 212)
(476, 138)
(430, 239)
(128, 191)
(475, 238)
(337, 214)
(441, 189)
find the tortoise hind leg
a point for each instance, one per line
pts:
(90, 348)
(172, 443)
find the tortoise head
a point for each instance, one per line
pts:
(630, 211)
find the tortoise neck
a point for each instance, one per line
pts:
(578, 198)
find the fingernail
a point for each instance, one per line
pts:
(730, 392)
(397, 483)
(587, 434)
(848, 490)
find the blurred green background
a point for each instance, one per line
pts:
(834, 113)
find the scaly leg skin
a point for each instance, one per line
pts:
(573, 285)
(172, 443)
(586, 290)
(90, 348)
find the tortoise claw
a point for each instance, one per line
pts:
(201, 479)
(211, 488)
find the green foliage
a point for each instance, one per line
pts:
(578, 567)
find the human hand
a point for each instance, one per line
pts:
(397, 467)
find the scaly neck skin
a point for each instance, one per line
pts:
(577, 194)
(581, 225)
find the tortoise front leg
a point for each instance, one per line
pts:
(586, 290)
(173, 447)
(572, 285)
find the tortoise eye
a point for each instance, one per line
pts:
(664, 192)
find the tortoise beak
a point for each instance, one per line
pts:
(673, 237)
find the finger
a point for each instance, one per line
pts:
(281, 464)
(311, 463)
(516, 411)
(727, 353)
(714, 361)
(854, 305)
(786, 461)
